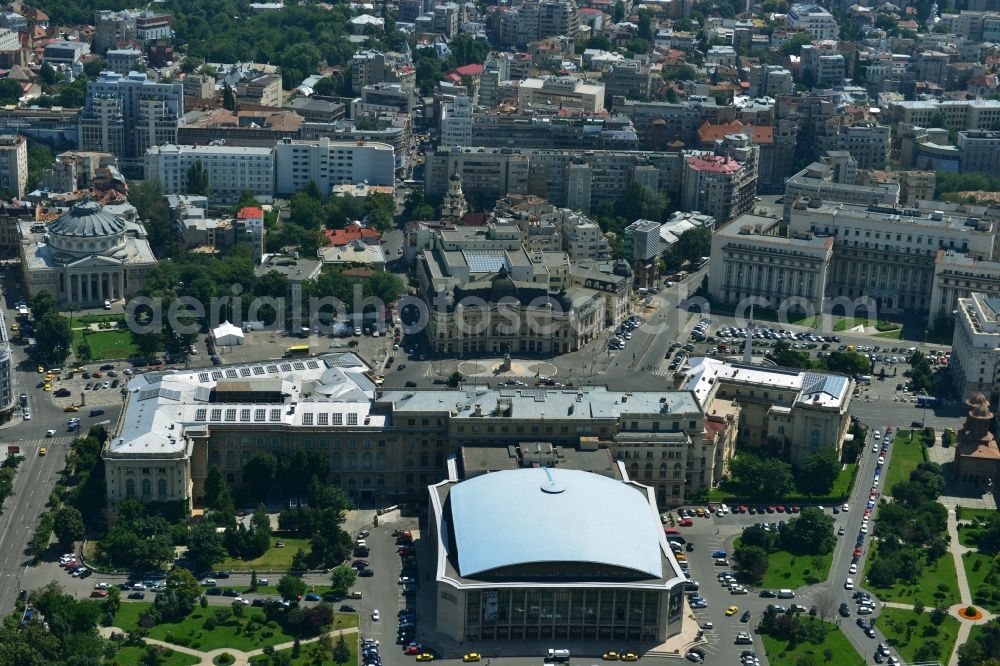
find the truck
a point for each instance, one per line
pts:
(557, 655)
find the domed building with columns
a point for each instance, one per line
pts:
(86, 257)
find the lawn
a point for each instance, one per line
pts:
(883, 326)
(106, 345)
(977, 568)
(937, 584)
(967, 535)
(764, 314)
(275, 559)
(908, 631)
(190, 632)
(835, 650)
(907, 452)
(841, 489)
(306, 657)
(894, 335)
(787, 570)
(99, 318)
(129, 656)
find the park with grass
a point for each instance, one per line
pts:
(213, 627)
(102, 337)
(795, 571)
(274, 559)
(909, 449)
(882, 326)
(132, 655)
(307, 654)
(919, 635)
(791, 639)
(798, 555)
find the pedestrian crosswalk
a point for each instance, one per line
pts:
(35, 444)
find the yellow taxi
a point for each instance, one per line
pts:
(71, 408)
(425, 656)
(42, 451)
(47, 387)
(680, 557)
(732, 610)
(630, 656)
(49, 376)
(700, 512)
(79, 369)
(610, 656)
(472, 656)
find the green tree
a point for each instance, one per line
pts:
(54, 338)
(41, 304)
(619, 12)
(10, 91)
(205, 546)
(694, 244)
(228, 97)
(183, 582)
(47, 74)
(341, 653)
(342, 578)
(794, 44)
(68, 527)
(214, 485)
(753, 561)
(291, 587)
(39, 159)
(809, 533)
(819, 471)
(785, 356)
(197, 179)
(258, 472)
(455, 379)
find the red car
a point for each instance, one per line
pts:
(360, 563)
(743, 508)
(408, 550)
(857, 552)
(794, 509)
(687, 522)
(99, 594)
(780, 508)
(413, 649)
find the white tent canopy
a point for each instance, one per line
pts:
(227, 334)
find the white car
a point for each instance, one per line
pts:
(865, 610)
(864, 530)
(375, 615)
(849, 584)
(50, 433)
(241, 600)
(853, 569)
(263, 581)
(845, 508)
(881, 460)
(103, 586)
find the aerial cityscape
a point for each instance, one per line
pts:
(550, 332)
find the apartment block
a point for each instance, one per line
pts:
(814, 19)
(975, 348)
(971, 114)
(836, 178)
(14, 164)
(723, 184)
(125, 115)
(868, 143)
(261, 90)
(328, 163)
(230, 169)
(560, 92)
(629, 79)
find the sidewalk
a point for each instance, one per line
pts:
(242, 658)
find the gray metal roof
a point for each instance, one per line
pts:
(87, 220)
(553, 515)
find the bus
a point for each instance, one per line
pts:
(297, 350)
(926, 401)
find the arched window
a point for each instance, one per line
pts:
(230, 459)
(366, 460)
(423, 459)
(244, 457)
(336, 460)
(352, 460)
(380, 459)
(146, 488)
(214, 459)
(161, 487)
(814, 440)
(130, 488)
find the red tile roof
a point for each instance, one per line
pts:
(351, 233)
(714, 164)
(250, 212)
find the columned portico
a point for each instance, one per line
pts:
(84, 257)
